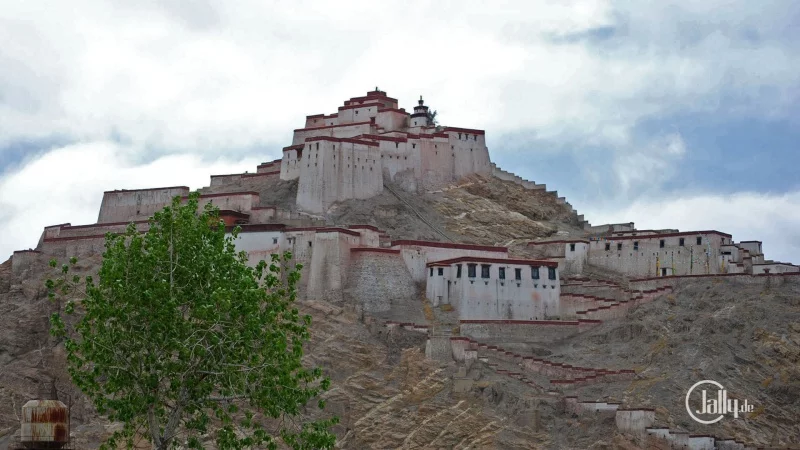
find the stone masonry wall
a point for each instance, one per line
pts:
(378, 280)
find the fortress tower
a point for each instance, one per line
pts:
(369, 141)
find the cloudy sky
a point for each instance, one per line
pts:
(669, 114)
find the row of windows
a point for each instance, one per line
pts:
(661, 244)
(466, 137)
(472, 270)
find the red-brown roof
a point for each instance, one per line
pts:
(478, 259)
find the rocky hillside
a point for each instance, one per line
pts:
(388, 395)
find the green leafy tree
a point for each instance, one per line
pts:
(181, 341)
(432, 120)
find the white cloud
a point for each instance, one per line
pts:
(191, 78)
(201, 75)
(67, 185)
(772, 219)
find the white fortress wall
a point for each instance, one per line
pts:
(644, 255)
(417, 254)
(338, 169)
(330, 258)
(137, 204)
(507, 289)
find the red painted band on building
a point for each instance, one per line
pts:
(333, 126)
(106, 224)
(365, 227)
(573, 241)
(374, 250)
(335, 139)
(477, 259)
(665, 235)
(463, 130)
(523, 322)
(226, 194)
(409, 242)
(147, 189)
(252, 228)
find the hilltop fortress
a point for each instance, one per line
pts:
(362, 149)
(465, 297)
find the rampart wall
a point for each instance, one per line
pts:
(524, 331)
(138, 204)
(334, 170)
(417, 254)
(378, 280)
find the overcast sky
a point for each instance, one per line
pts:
(669, 114)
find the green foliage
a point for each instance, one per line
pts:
(432, 118)
(181, 341)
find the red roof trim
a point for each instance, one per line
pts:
(227, 194)
(464, 130)
(396, 110)
(232, 213)
(26, 251)
(77, 238)
(408, 242)
(347, 140)
(374, 250)
(566, 241)
(324, 230)
(58, 225)
(105, 224)
(334, 126)
(258, 227)
(658, 236)
(255, 208)
(147, 189)
(247, 175)
(363, 105)
(525, 262)
(293, 147)
(365, 227)
(315, 116)
(382, 138)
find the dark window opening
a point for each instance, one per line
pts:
(396, 145)
(471, 269)
(274, 240)
(309, 243)
(663, 272)
(535, 273)
(619, 246)
(458, 271)
(317, 145)
(661, 243)
(699, 240)
(551, 273)
(502, 273)
(680, 242)
(636, 245)
(608, 247)
(440, 271)
(431, 271)
(572, 247)
(485, 268)
(413, 145)
(517, 274)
